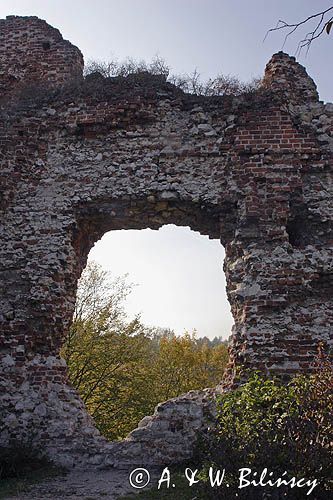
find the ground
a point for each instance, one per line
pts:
(94, 484)
(84, 484)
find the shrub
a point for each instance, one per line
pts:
(265, 424)
(189, 83)
(114, 68)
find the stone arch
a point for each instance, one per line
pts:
(80, 156)
(94, 219)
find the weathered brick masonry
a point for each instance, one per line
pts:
(82, 157)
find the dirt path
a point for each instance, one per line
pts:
(90, 484)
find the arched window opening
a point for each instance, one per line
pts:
(152, 321)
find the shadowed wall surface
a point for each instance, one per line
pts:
(80, 157)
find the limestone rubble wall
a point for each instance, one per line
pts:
(80, 157)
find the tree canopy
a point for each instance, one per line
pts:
(122, 368)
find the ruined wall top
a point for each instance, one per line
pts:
(285, 75)
(32, 51)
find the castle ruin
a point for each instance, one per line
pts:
(80, 157)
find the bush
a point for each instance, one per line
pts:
(113, 68)
(188, 83)
(265, 424)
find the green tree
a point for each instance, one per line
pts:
(183, 363)
(105, 352)
(123, 369)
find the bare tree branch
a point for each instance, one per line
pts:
(324, 21)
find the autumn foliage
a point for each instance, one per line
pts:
(123, 369)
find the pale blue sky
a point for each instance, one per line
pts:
(178, 272)
(179, 277)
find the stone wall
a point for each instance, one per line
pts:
(80, 157)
